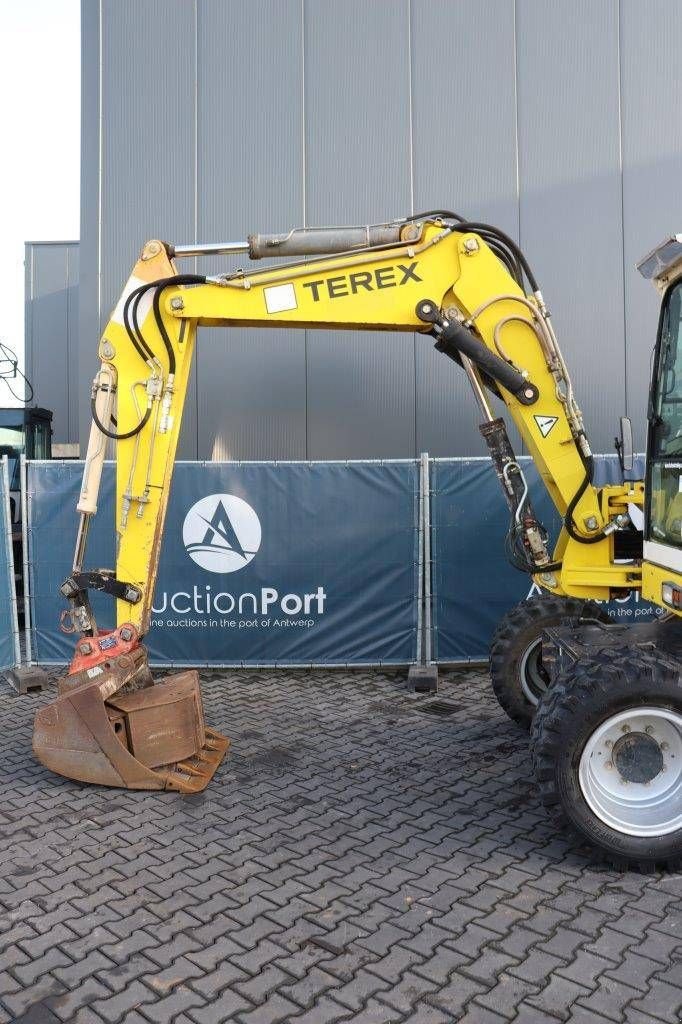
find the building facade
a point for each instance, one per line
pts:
(51, 333)
(205, 120)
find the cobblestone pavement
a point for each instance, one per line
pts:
(357, 858)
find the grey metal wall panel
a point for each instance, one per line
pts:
(72, 312)
(464, 158)
(314, 111)
(83, 369)
(51, 330)
(357, 170)
(570, 189)
(250, 178)
(652, 171)
(148, 143)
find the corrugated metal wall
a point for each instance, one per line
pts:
(51, 333)
(208, 119)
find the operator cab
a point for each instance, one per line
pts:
(663, 511)
(23, 432)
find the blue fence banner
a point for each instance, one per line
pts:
(261, 564)
(473, 584)
(9, 627)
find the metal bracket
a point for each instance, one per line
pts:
(103, 580)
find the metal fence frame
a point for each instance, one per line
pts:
(429, 564)
(28, 621)
(421, 501)
(424, 597)
(14, 615)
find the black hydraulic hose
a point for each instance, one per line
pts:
(488, 232)
(507, 258)
(454, 339)
(434, 213)
(524, 564)
(118, 437)
(484, 229)
(162, 330)
(131, 324)
(166, 283)
(136, 323)
(588, 462)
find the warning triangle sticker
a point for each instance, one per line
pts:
(545, 423)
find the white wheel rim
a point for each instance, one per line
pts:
(630, 772)
(527, 660)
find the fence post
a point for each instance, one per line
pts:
(26, 678)
(420, 566)
(423, 677)
(428, 633)
(23, 483)
(10, 560)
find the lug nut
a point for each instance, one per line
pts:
(625, 728)
(649, 730)
(609, 765)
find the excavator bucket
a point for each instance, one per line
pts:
(113, 725)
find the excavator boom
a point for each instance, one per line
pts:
(465, 284)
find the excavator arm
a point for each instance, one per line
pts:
(465, 284)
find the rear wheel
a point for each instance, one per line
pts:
(518, 676)
(607, 751)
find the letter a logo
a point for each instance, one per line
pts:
(221, 533)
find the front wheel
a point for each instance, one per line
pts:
(518, 676)
(607, 751)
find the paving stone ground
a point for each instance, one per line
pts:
(355, 859)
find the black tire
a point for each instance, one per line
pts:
(516, 669)
(581, 700)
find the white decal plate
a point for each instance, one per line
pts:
(279, 298)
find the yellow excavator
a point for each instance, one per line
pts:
(604, 701)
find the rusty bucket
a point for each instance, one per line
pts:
(113, 725)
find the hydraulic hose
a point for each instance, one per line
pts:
(488, 229)
(490, 234)
(588, 462)
(162, 330)
(132, 326)
(118, 437)
(454, 338)
(434, 213)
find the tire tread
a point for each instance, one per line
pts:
(591, 682)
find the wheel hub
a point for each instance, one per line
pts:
(630, 771)
(637, 757)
